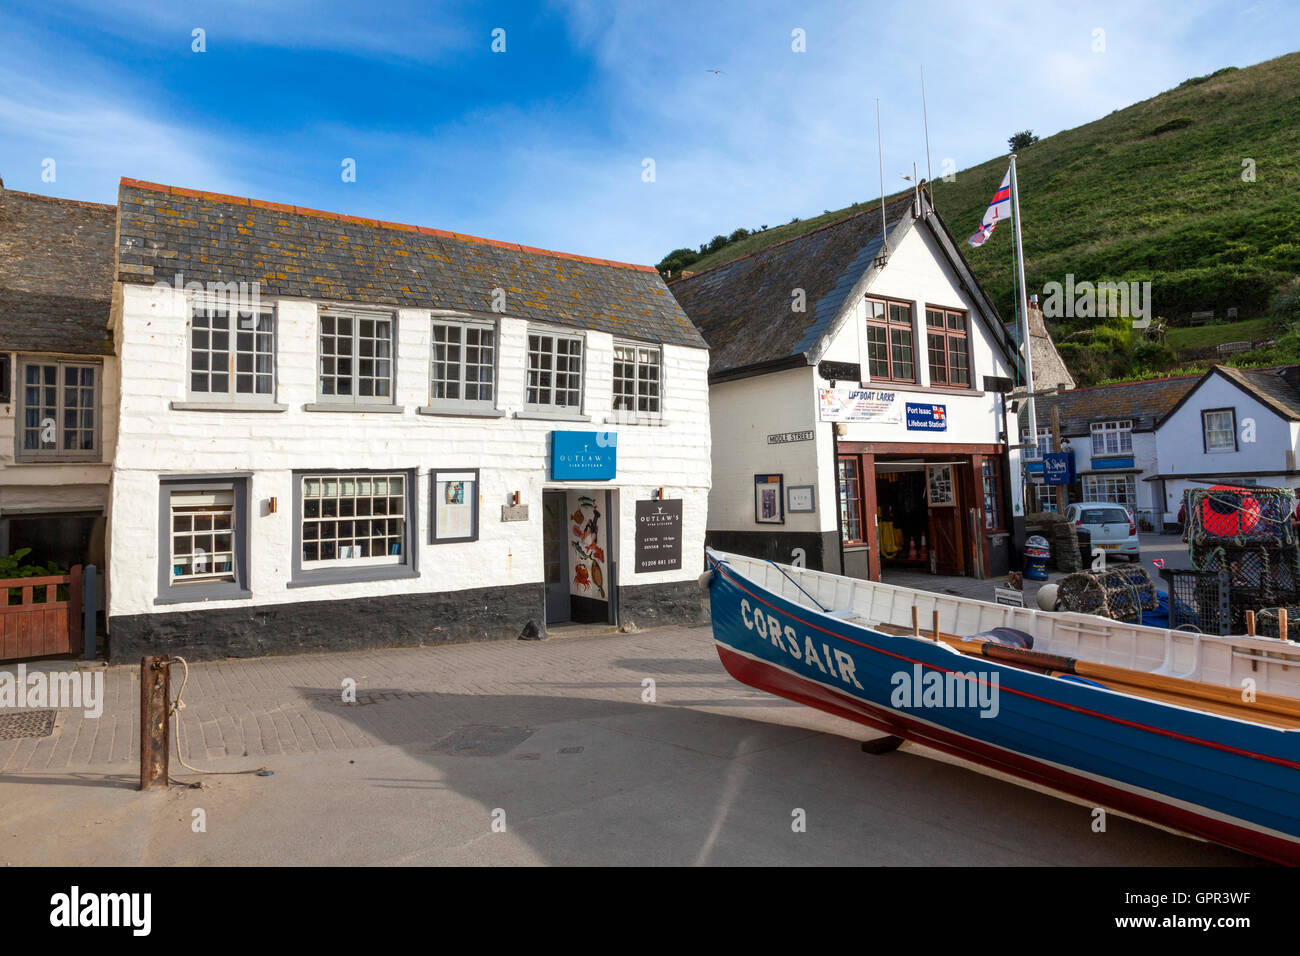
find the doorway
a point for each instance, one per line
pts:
(555, 555)
(920, 504)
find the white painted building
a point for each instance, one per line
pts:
(1110, 432)
(1234, 426)
(407, 436)
(58, 378)
(857, 401)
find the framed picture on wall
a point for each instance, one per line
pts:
(939, 489)
(801, 499)
(454, 508)
(769, 503)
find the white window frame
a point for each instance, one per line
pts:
(1036, 452)
(356, 358)
(464, 326)
(58, 452)
(1211, 449)
(553, 353)
(1119, 432)
(231, 394)
(340, 479)
(196, 511)
(1101, 488)
(636, 414)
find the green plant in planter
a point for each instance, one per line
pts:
(13, 566)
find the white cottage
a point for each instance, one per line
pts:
(339, 432)
(857, 391)
(1234, 426)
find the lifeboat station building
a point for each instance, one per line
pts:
(858, 385)
(336, 432)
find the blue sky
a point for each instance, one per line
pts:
(544, 144)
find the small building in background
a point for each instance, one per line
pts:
(58, 378)
(1233, 426)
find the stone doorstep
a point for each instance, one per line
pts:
(574, 629)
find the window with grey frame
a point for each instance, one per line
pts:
(232, 359)
(58, 410)
(554, 372)
(356, 358)
(638, 380)
(1219, 430)
(353, 519)
(203, 553)
(463, 370)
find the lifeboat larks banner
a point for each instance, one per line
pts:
(858, 405)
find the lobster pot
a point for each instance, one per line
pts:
(1268, 619)
(1198, 600)
(1121, 594)
(1258, 575)
(1239, 517)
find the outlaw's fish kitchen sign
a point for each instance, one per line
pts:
(858, 405)
(580, 455)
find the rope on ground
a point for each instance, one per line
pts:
(177, 705)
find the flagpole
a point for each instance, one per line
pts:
(1024, 305)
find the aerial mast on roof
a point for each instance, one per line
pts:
(880, 152)
(925, 119)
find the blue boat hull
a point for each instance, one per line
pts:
(1231, 781)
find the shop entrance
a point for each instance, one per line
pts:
(579, 530)
(920, 504)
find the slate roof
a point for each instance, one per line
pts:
(1143, 403)
(1275, 387)
(294, 251)
(56, 274)
(743, 306)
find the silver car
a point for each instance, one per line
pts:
(1112, 526)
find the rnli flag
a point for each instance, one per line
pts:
(999, 209)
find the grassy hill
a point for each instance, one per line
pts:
(1153, 192)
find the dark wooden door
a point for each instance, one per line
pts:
(555, 554)
(943, 486)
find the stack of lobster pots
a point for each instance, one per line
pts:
(1251, 534)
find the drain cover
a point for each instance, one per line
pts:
(482, 741)
(27, 723)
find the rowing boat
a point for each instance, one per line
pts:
(1195, 732)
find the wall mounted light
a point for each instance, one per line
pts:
(514, 499)
(271, 505)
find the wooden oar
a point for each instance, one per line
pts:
(1189, 693)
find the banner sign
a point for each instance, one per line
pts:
(1058, 467)
(577, 455)
(927, 418)
(858, 405)
(659, 535)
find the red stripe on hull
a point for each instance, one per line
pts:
(772, 679)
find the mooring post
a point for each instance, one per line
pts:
(155, 731)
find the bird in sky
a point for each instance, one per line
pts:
(714, 72)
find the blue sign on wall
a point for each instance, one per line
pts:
(1100, 463)
(927, 418)
(581, 455)
(1058, 467)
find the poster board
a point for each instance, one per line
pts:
(454, 505)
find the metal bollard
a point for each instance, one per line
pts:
(155, 729)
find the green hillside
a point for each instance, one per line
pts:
(1153, 192)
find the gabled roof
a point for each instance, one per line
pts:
(1276, 387)
(294, 251)
(56, 274)
(1142, 403)
(744, 307)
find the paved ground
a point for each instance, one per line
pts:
(554, 739)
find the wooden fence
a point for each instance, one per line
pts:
(40, 617)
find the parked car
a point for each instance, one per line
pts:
(1111, 526)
